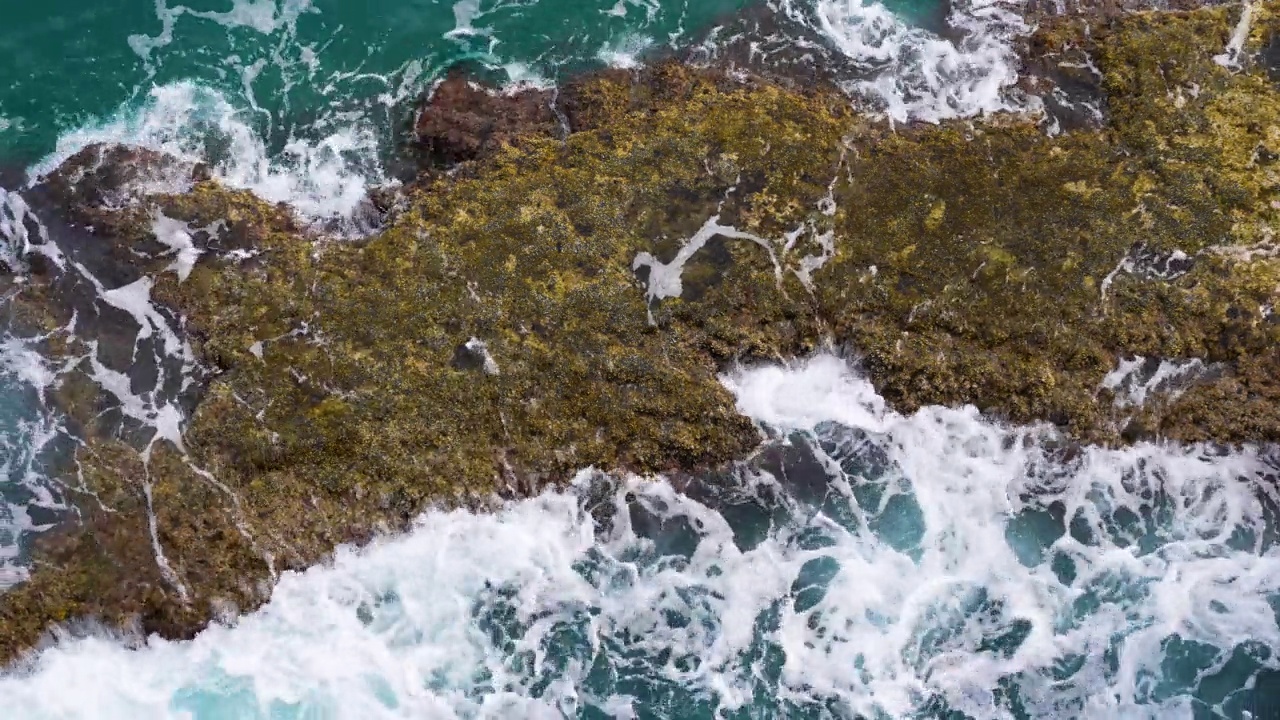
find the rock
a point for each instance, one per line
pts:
(1101, 11)
(473, 355)
(463, 120)
(970, 262)
(12, 176)
(1057, 67)
(100, 178)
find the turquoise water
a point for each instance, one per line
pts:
(303, 59)
(303, 68)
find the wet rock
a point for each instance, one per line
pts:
(1058, 68)
(473, 355)
(381, 204)
(981, 263)
(1058, 60)
(463, 120)
(1037, 11)
(762, 42)
(92, 185)
(12, 176)
(1269, 56)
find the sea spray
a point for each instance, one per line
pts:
(27, 433)
(323, 179)
(909, 72)
(863, 563)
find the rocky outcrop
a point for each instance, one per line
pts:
(568, 301)
(463, 120)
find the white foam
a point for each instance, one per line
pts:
(619, 9)
(968, 477)
(177, 236)
(152, 409)
(809, 264)
(803, 394)
(466, 12)
(1230, 57)
(157, 551)
(522, 76)
(19, 361)
(263, 16)
(506, 614)
(22, 233)
(665, 278)
(414, 648)
(624, 52)
(22, 366)
(1133, 385)
(14, 231)
(163, 417)
(26, 430)
(135, 299)
(915, 74)
(323, 179)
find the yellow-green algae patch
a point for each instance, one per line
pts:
(982, 263)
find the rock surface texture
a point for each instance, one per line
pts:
(566, 300)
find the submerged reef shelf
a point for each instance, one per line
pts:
(251, 394)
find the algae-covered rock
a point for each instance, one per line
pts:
(567, 302)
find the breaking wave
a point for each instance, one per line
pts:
(325, 178)
(964, 66)
(864, 563)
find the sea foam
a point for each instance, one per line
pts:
(909, 72)
(322, 179)
(894, 566)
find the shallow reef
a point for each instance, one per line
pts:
(566, 296)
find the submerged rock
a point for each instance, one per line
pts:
(567, 302)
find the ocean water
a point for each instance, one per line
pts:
(863, 564)
(305, 100)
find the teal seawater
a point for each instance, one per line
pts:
(79, 61)
(300, 66)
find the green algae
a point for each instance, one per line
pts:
(983, 263)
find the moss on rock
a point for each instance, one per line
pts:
(500, 335)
